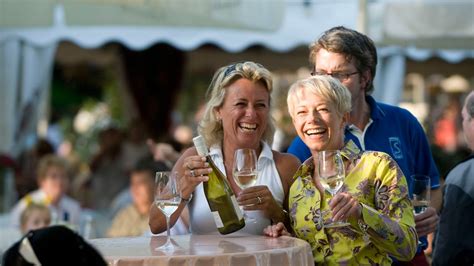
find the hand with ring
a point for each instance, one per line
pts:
(259, 198)
(194, 170)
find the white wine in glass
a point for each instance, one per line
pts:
(331, 175)
(167, 200)
(245, 171)
(245, 168)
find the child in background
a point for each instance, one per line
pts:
(53, 181)
(132, 220)
(35, 216)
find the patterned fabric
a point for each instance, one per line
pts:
(387, 225)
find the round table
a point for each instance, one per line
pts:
(206, 250)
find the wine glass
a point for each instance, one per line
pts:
(420, 197)
(245, 171)
(421, 188)
(331, 176)
(167, 200)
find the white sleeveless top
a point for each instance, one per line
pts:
(201, 219)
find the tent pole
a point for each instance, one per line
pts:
(362, 17)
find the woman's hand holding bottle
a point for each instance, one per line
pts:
(196, 170)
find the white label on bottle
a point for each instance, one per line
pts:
(237, 209)
(217, 219)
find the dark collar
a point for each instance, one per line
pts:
(375, 111)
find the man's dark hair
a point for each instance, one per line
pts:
(352, 44)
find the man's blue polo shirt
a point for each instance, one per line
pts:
(395, 131)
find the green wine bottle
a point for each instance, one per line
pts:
(220, 197)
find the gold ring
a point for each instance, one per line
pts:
(259, 200)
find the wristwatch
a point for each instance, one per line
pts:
(186, 201)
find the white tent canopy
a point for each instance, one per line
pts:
(27, 53)
(298, 25)
(429, 24)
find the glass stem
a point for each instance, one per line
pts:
(168, 240)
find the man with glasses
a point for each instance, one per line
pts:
(351, 57)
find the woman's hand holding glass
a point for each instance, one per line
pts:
(252, 197)
(331, 171)
(425, 216)
(343, 206)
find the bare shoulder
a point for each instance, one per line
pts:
(286, 163)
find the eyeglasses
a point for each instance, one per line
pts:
(338, 75)
(230, 69)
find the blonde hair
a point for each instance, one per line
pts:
(49, 161)
(327, 87)
(210, 127)
(32, 207)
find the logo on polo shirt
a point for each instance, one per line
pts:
(396, 147)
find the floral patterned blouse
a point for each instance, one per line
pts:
(386, 227)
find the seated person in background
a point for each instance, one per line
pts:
(53, 183)
(35, 216)
(134, 145)
(373, 198)
(109, 174)
(133, 219)
(55, 245)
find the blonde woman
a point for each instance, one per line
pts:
(374, 198)
(237, 116)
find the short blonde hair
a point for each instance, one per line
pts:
(32, 207)
(210, 127)
(49, 161)
(326, 87)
